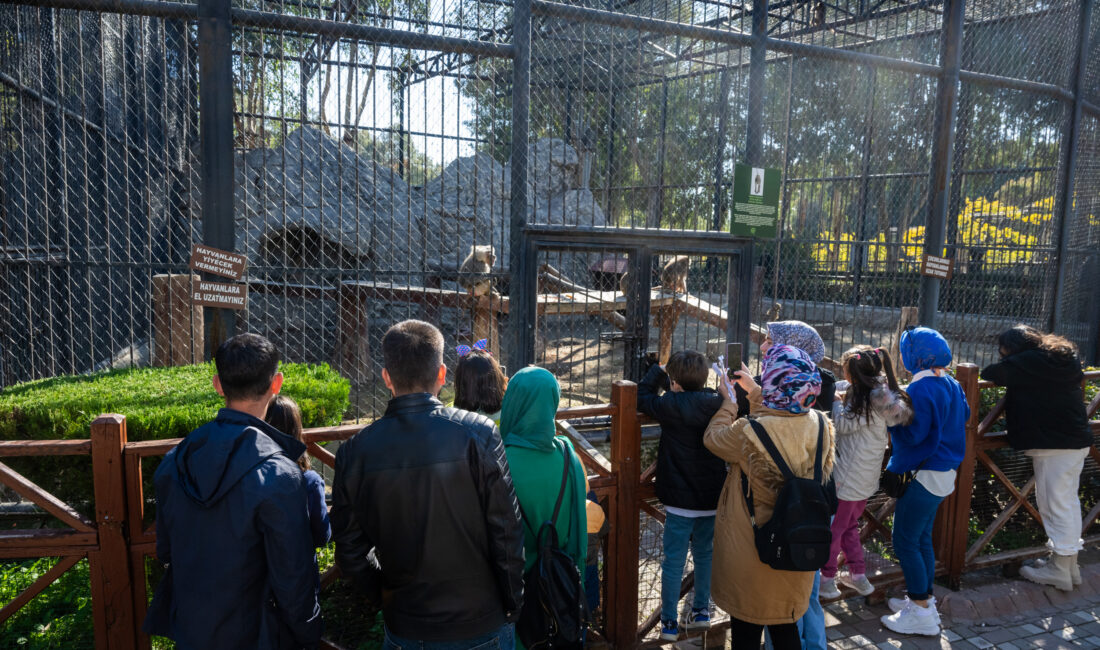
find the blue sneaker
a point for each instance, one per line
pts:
(670, 631)
(699, 619)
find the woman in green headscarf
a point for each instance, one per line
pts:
(535, 459)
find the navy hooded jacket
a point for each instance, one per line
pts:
(232, 524)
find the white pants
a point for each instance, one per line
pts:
(1057, 479)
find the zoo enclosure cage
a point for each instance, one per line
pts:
(354, 151)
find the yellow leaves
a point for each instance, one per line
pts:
(1003, 233)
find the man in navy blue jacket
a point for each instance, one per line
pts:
(232, 522)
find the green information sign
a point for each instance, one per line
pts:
(755, 206)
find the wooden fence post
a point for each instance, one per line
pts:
(112, 602)
(624, 538)
(952, 525)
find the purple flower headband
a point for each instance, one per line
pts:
(463, 350)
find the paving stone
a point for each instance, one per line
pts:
(1082, 616)
(889, 645)
(951, 636)
(833, 633)
(1000, 635)
(1008, 645)
(861, 640)
(1028, 629)
(980, 642)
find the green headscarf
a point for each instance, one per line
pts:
(527, 412)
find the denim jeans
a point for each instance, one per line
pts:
(913, 518)
(678, 532)
(503, 638)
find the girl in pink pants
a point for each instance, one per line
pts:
(872, 403)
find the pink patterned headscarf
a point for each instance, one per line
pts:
(790, 381)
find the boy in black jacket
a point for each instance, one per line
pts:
(689, 479)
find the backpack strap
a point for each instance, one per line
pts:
(557, 504)
(770, 447)
(818, 464)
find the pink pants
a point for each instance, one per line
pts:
(846, 538)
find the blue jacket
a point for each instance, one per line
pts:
(319, 523)
(233, 526)
(938, 430)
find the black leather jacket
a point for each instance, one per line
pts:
(426, 521)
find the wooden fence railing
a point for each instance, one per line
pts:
(120, 539)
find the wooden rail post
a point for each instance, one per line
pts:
(624, 538)
(112, 603)
(953, 520)
(178, 328)
(353, 351)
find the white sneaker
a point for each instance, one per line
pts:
(913, 619)
(860, 583)
(828, 590)
(898, 604)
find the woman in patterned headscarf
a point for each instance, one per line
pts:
(754, 594)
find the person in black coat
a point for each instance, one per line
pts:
(1046, 419)
(233, 524)
(689, 479)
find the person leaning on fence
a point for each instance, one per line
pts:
(689, 480)
(536, 457)
(1045, 409)
(424, 515)
(755, 594)
(872, 402)
(930, 448)
(284, 415)
(232, 522)
(800, 335)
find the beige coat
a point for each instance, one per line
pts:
(741, 584)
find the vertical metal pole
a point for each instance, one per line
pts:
(216, 136)
(1063, 205)
(522, 310)
(939, 180)
(656, 218)
(859, 256)
(754, 124)
(402, 81)
(963, 116)
(754, 155)
(720, 142)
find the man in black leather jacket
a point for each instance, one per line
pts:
(424, 515)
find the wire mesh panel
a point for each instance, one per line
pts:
(96, 118)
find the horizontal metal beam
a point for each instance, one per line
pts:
(150, 8)
(671, 28)
(284, 22)
(997, 81)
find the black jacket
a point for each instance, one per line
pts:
(1045, 407)
(823, 403)
(426, 521)
(688, 475)
(232, 522)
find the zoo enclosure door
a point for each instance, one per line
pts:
(589, 333)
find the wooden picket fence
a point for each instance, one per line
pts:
(119, 540)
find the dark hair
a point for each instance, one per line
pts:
(246, 365)
(283, 414)
(1024, 337)
(864, 366)
(412, 352)
(689, 369)
(479, 382)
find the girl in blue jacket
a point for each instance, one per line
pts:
(932, 446)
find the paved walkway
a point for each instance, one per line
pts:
(995, 612)
(1004, 613)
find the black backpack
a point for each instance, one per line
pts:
(555, 613)
(798, 535)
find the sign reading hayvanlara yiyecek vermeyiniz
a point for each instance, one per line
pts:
(755, 204)
(937, 267)
(218, 262)
(230, 295)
